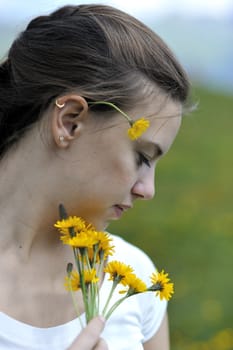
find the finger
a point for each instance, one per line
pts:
(89, 336)
(101, 345)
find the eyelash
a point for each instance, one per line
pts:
(142, 159)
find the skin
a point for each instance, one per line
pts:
(120, 177)
(89, 338)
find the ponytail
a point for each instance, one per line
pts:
(5, 87)
(6, 104)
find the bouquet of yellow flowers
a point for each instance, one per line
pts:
(91, 250)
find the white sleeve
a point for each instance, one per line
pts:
(153, 311)
(152, 308)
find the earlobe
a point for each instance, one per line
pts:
(68, 116)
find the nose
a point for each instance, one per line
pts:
(144, 186)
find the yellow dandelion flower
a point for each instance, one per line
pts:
(65, 238)
(117, 270)
(72, 221)
(160, 277)
(162, 285)
(82, 240)
(138, 128)
(90, 257)
(90, 276)
(104, 244)
(135, 285)
(166, 291)
(65, 225)
(72, 283)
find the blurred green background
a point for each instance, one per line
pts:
(187, 228)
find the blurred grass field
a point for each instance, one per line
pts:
(188, 227)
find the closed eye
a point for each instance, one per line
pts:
(142, 159)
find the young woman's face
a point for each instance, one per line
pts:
(107, 171)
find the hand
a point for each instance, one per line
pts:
(89, 338)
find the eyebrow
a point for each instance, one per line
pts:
(157, 150)
(154, 149)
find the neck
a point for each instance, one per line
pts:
(27, 211)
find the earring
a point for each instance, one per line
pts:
(59, 105)
(61, 138)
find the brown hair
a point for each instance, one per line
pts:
(98, 51)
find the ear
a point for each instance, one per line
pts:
(68, 117)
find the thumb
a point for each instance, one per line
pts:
(90, 335)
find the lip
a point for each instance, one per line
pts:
(120, 209)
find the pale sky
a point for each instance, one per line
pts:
(205, 61)
(11, 10)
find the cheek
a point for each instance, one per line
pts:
(124, 170)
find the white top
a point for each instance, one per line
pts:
(134, 322)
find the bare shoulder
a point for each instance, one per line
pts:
(160, 341)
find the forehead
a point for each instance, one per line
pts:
(158, 103)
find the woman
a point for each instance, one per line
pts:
(72, 83)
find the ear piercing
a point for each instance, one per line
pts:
(59, 105)
(61, 138)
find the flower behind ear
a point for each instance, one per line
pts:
(138, 128)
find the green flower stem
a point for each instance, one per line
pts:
(95, 299)
(92, 306)
(79, 265)
(75, 303)
(154, 288)
(129, 293)
(75, 251)
(62, 212)
(72, 232)
(85, 294)
(92, 299)
(114, 284)
(96, 249)
(100, 268)
(115, 107)
(87, 304)
(88, 307)
(117, 303)
(87, 260)
(92, 291)
(80, 268)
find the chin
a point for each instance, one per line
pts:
(101, 225)
(98, 220)
(105, 226)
